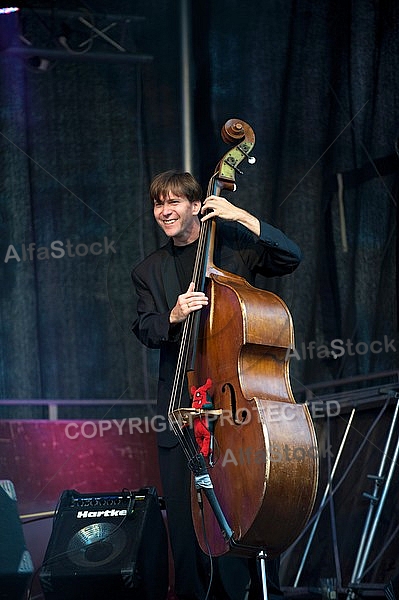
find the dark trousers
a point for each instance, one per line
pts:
(232, 576)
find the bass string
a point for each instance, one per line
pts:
(186, 349)
(177, 424)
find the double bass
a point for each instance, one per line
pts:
(256, 490)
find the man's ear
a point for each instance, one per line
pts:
(196, 207)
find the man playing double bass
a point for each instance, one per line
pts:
(245, 246)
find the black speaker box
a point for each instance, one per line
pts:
(107, 547)
(16, 566)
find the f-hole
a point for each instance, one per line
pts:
(229, 389)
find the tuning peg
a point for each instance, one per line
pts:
(244, 149)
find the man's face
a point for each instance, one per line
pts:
(178, 218)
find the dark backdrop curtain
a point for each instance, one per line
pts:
(319, 85)
(80, 142)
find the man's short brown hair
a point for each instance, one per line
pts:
(179, 183)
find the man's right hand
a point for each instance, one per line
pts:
(186, 304)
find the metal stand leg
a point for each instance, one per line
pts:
(371, 523)
(262, 556)
(324, 500)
